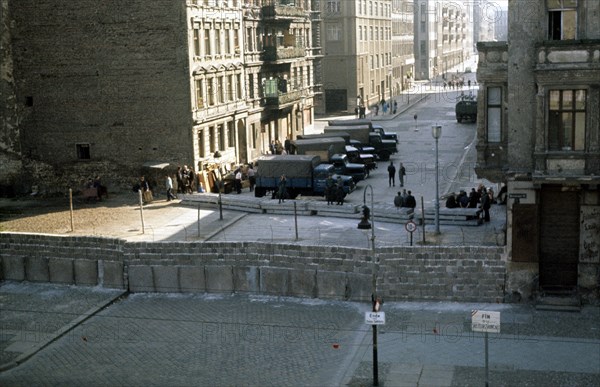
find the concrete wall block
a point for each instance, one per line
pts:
(302, 283)
(219, 279)
(332, 285)
(86, 272)
(358, 287)
(274, 280)
(61, 271)
(166, 279)
(191, 279)
(141, 279)
(36, 269)
(13, 268)
(110, 274)
(246, 279)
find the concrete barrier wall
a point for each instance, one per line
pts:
(403, 273)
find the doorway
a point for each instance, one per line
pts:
(559, 237)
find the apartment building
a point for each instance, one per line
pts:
(403, 58)
(539, 133)
(357, 49)
(101, 89)
(443, 36)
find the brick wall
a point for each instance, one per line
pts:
(112, 74)
(408, 273)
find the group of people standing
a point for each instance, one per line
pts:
(392, 174)
(334, 190)
(405, 199)
(481, 198)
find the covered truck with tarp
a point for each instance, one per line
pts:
(324, 147)
(304, 174)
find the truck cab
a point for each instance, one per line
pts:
(342, 166)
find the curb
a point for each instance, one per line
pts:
(61, 332)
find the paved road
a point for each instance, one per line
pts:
(224, 340)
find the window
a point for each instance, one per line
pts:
(207, 50)
(249, 40)
(201, 145)
(334, 33)
(83, 151)
(221, 132)
(251, 85)
(566, 120)
(230, 88)
(333, 6)
(218, 39)
(228, 41)
(220, 90)
(238, 88)
(196, 42)
(231, 134)
(494, 114)
(199, 93)
(210, 92)
(562, 19)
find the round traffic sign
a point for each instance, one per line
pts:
(411, 226)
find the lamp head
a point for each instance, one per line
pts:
(436, 131)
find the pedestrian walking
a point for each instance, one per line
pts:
(251, 177)
(402, 173)
(392, 174)
(410, 201)
(169, 187)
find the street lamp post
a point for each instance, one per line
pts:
(217, 156)
(365, 225)
(436, 132)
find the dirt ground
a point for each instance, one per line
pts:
(108, 217)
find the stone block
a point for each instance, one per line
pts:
(274, 281)
(191, 279)
(13, 268)
(166, 279)
(331, 285)
(359, 287)
(110, 274)
(246, 279)
(36, 269)
(302, 283)
(61, 271)
(141, 279)
(86, 272)
(219, 279)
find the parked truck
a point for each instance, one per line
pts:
(382, 148)
(305, 175)
(466, 108)
(362, 122)
(326, 145)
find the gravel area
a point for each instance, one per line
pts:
(109, 217)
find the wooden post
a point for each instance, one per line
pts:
(71, 209)
(141, 210)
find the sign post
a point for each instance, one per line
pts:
(484, 321)
(375, 318)
(411, 227)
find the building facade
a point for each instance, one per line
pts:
(443, 36)
(96, 89)
(357, 48)
(539, 100)
(403, 41)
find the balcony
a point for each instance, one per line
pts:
(273, 54)
(283, 11)
(284, 98)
